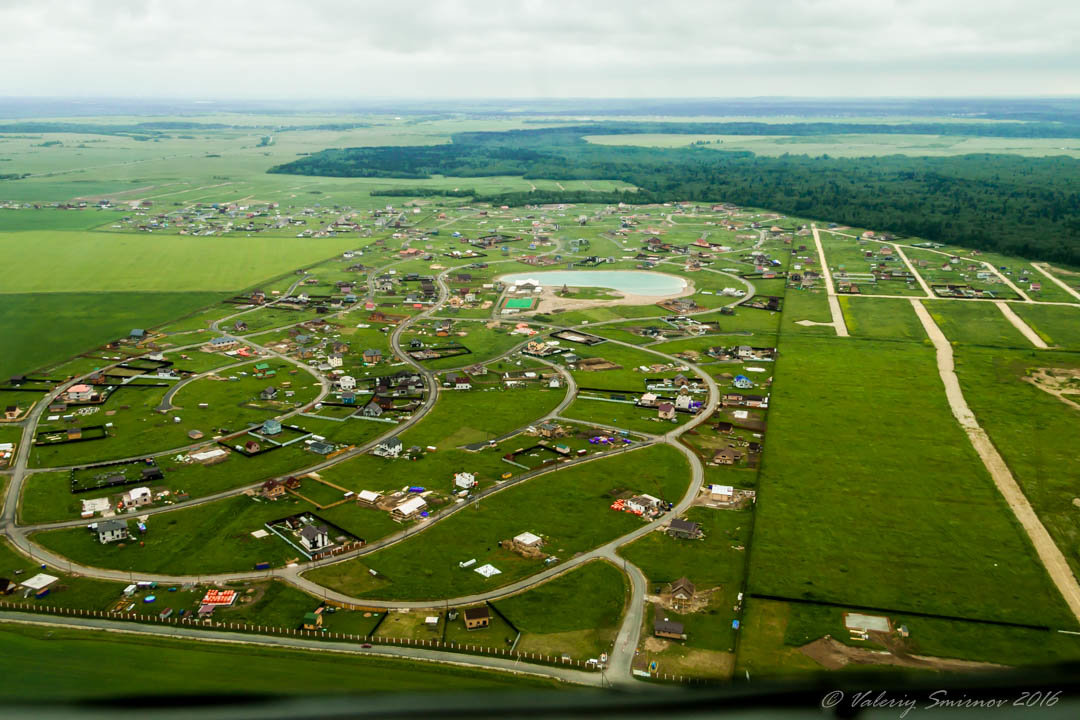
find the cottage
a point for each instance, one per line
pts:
(271, 427)
(459, 381)
(549, 429)
(683, 402)
(372, 356)
(648, 399)
(272, 489)
(368, 497)
(321, 448)
(682, 590)
(668, 629)
(372, 410)
(477, 618)
(313, 620)
(727, 456)
(110, 531)
(410, 508)
(722, 493)
(684, 529)
(268, 393)
(464, 480)
(665, 411)
(137, 497)
(391, 447)
(314, 537)
(11, 412)
(80, 393)
(347, 382)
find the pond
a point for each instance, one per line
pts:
(629, 281)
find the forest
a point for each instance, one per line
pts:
(1027, 206)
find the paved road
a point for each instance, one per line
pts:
(623, 651)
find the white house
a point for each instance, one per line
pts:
(347, 382)
(648, 399)
(80, 393)
(464, 480)
(391, 447)
(110, 531)
(137, 497)
(722, 493)
(314, 537)
(682, 402)
(409, 508)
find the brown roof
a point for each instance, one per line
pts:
(479, 613)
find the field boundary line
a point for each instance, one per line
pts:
(1051, 556)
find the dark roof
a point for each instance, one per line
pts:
(683, 583)
(684, 525)
(668, 626)
(479, 613)
(111, 525)
(311, 531)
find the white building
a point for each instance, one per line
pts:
(464, 480)
(410, 508)
(137, 497)
(347, 382)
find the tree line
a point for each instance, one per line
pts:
(1027, 206)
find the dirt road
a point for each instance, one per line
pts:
(834, 304)
(1019, 324)
(1052, 558)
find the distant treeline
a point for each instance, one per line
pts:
(1017, 205)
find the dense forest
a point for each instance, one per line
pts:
(1007, 203)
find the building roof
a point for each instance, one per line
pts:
(684, 525)
(683, 584)
(111, 526)
(411, 505)
(480, 613)
(668, 626)
(527, 538)
(311, 532)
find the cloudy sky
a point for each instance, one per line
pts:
(354, 49)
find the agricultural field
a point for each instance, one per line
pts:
(900, 456)
(854, 487)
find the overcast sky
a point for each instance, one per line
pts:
(354, 49)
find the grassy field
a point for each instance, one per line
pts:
(426, 566)
(1056, 324)
(468, 416)
(975, 323)
(904, 494)
(116, 262)
(852, 145)
(52, 664)
(884, 319)
(42, 329)
(215, 537)
(577, 613)
(1027, 426)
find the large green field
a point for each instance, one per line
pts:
(53, 664)
(42, 329)
(904, 495)
(61, 261)
(853, 145)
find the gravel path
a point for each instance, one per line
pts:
(1049, 554)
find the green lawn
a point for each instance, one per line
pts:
(53, 664)
(426, 565)
(577, 613)
(461, 417)
(215, 537)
